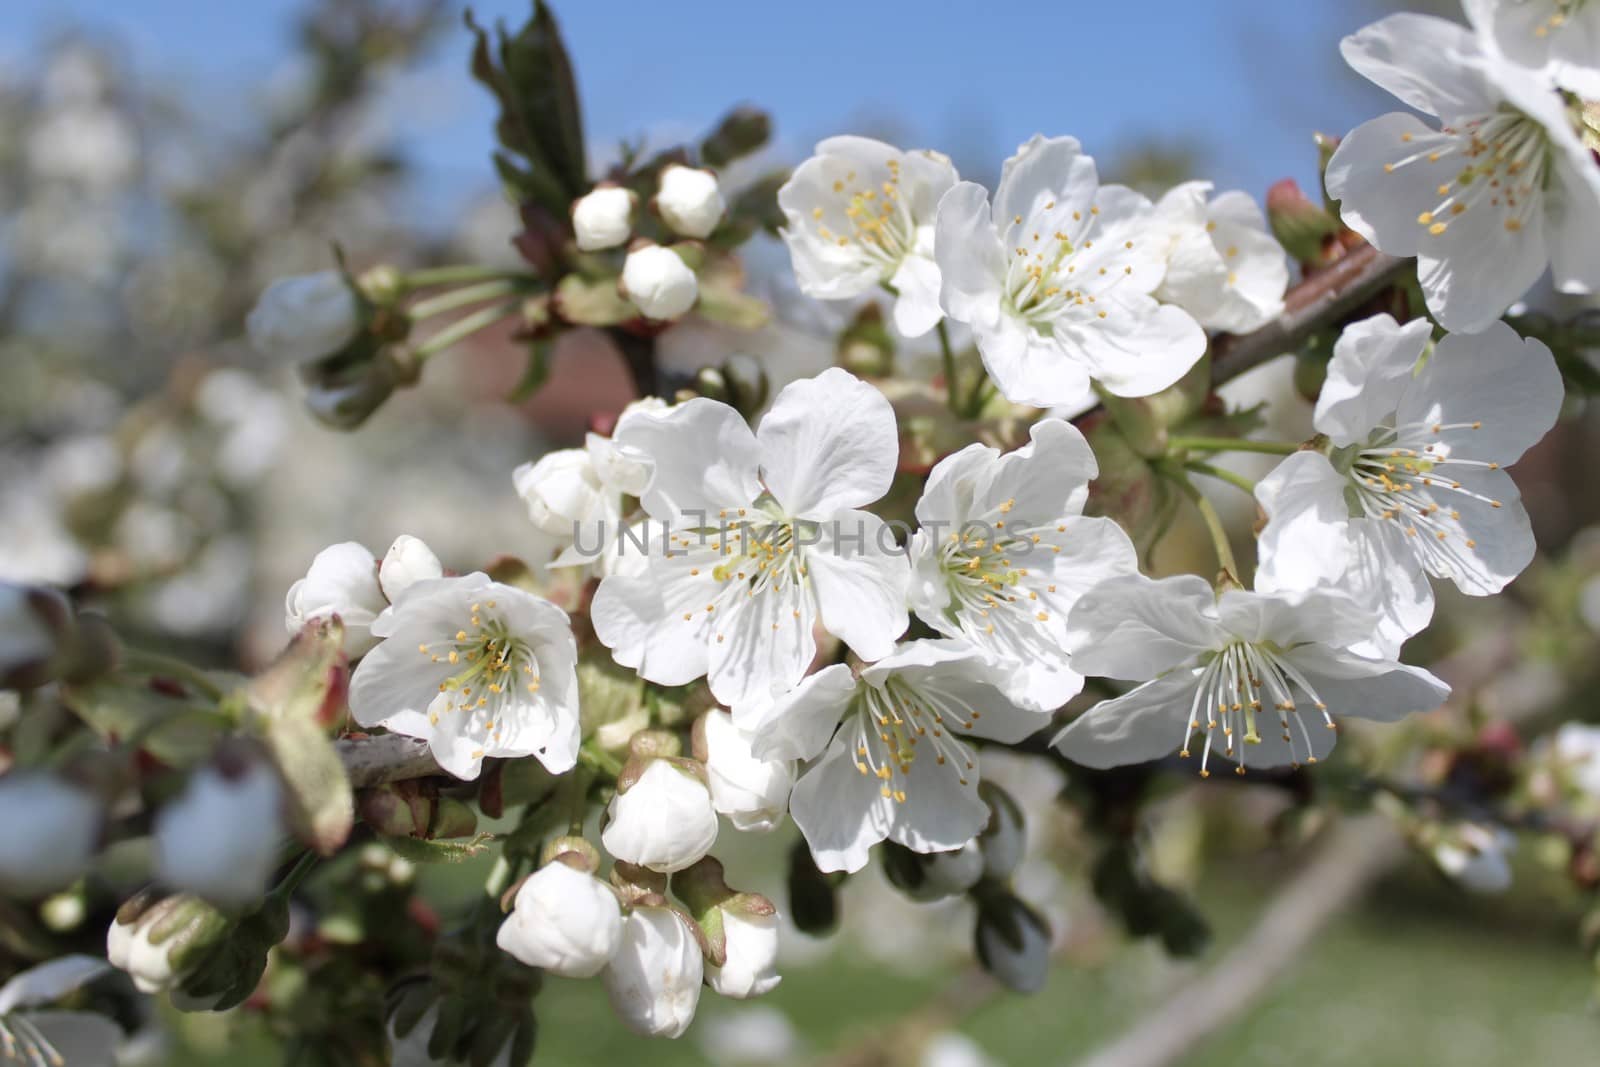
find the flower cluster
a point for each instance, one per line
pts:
(826, 601)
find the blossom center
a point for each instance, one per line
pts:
(1504, 166)
(751, 552)
(879, 222)
(992, 596)
(896, 724)
(1051, 271)
(491, 663)
(1233, 691)
(1408, 475)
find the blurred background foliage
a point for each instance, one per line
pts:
(157, 168)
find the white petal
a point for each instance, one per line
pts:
(1140, 347)
(1574, 219)
(1306, 540)
(49, 981)
(828, 443)
(1380, 690)
(1493, 393)
(1373, 363)
(970, 259)
(640, 619)
(1135, 627)
(1027, 368)
(762, 645)
(1146, 723)
(840, 811)
(705, 456)
(1045, 182)
(916, 309)
(1502, 537)
(1047, 478)
(861, 579)
(798, 724)
(1418, 58)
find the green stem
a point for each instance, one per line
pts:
(600, 761)
(1231, 444)
(1213, 521)
(455, 298)
(465, 327)
(155, 664)
(297, 874)
(576, 798)
(948, 356)
(1234, 479)
(982, 391)
(461, 272)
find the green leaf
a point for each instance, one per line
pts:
(536, 373)
(417, 850)
(591, 302)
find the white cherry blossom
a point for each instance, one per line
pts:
(1055, 280)
(764, 540)
(477, 669)
(347, 580)
(1413, 482)
(1257, 677)
(1501, 189)
(861, 214)
(576, 495)
(1003, 552)
(899, 766)
(1224, 267)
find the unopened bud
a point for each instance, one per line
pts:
(565, 921)
(664, 820)
(689, 201)
(753, 793)
(305, 317)
(932, 875)
(1013, 943)
(655, 976)
(1003, 838)
(1300, 226)
(603, 218)
(659, 282)
(220, 839)
(407, 562)
(158, 940)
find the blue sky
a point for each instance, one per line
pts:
(1246, 79)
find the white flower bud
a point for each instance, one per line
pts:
(562, 491)
(945, 874)
(664, 821)
(1004, 838)
(603, 218)
(342, 581)
(751, 967)
(753, 793)
(48, 835)
(564, 921)
(407, 561)
(129, 949)
(220, 839)
(659, 282)
(304, 317)
(654, 979)
(689, 201)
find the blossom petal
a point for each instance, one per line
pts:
(763, 644)
(1380, 690)
(1140, 346)
(1574, 219)
(1044, 183)
(1493, 394)
(49, 981)
(1305, 541)
(1143, 724)
(861, 579)
(1373, 363)
(840, 811)
(640, 618)
(1496, 539)
(1135, 627)
(916, 308)
(1418, 59)
(970, 260)
(798, 724)
(829, 443)
(706, 459)
(1047, 478)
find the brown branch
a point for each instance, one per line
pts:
(386, 758)
(1320, 299)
